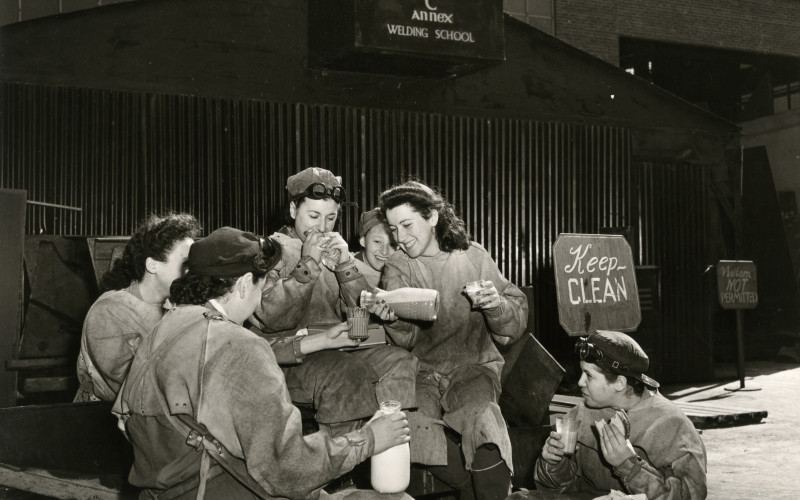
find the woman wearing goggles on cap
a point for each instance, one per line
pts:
(630, 438)
(344, 387)
(201, 374)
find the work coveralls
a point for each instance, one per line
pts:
(673, 456)
(199, 363)
(112, 331)
(460, 366)
(343, 386)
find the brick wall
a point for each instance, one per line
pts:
(14, 11)
(763, 26)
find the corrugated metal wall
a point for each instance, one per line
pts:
(517, 183)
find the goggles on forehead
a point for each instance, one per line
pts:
(591, 354)
(319, 191)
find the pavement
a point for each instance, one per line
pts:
(757, 460)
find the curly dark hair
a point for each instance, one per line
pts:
(197, 289)
(451, 233)
(155, 237)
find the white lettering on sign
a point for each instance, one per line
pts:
(604, 263)
(737, 285)
(613, 290)
(429, 6)
(433, 17)
(455, 36)
(735, 272)
(402, 30)
(596, 283)
(739, 297)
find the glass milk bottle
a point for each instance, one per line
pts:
(407, 302)
(390, 470)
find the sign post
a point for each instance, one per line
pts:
(737, 289)
(595, 283)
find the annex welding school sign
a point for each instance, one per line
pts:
(737, 284)
(595, 283)
(471, 29)
(366, 34)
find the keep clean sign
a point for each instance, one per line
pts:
(596, 283)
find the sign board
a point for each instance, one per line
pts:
(428, 37)
(595, 283)
(471, 29)
(737, 284)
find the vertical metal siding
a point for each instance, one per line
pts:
(517, 183)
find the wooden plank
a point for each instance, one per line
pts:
(529, 384)
(12, 227)
(702, 415)
(42, 482)
(35, 363)
(48, 384)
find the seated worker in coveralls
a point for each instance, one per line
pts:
(344, 387)
(202, 382)
(460, 366)
(134, 292)
(377, 245)
(663, 458)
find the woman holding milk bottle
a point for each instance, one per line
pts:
(458, 429)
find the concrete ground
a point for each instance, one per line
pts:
(760, 460)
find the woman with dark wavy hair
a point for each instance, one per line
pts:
(135, 289)
(460, 364)
(200, 373)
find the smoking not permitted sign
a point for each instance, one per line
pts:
(596, 283)
(737, 284)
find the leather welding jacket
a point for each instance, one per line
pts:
(199, 363)
(457, 350)
(306, 293)
(673, 464)
(112, 331)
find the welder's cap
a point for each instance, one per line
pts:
(369, 219)
(229, 253)
(616, 352)
(303, 183)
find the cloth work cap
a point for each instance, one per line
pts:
(299, 182)
(228, 253)
(369, 220)
(630, 359)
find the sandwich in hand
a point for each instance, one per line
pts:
(619, 420)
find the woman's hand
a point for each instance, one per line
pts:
(333, 338)
(389, 430)
(313, 246)
(335, 241)
(553, 449)
(488, 296)
(337, 336)
(382, 310)
(616, 449)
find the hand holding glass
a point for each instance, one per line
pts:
(473, 291)
(568, 428)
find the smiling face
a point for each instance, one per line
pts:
(596, 390)
(414, 233)
(319, 215)
(378, 247)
